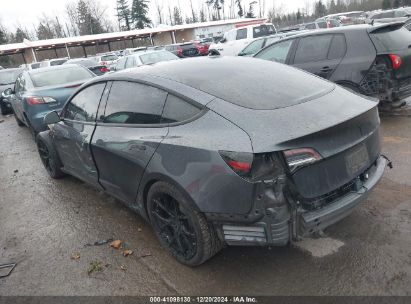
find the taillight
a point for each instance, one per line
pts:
(36, 100)
(396, 61)
(239, 162)
(253, 167)
(298, 158)
(104, 70)
(103, 63)
(180, 52)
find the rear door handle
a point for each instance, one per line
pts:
(326, 69)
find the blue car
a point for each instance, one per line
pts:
(37, 92)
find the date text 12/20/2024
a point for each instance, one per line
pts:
(234, 299)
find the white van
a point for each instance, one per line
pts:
(236, 39)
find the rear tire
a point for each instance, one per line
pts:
(180, 228)
(49, 156)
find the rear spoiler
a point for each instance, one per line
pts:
(386, 27)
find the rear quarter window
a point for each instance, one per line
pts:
(177, 110)
(391, 40)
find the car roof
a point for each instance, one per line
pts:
(234, 79)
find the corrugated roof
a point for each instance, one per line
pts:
(105, 36)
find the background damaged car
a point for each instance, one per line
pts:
(227, 156)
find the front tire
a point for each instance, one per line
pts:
(49, 156)
(180, 228)
(18, 121)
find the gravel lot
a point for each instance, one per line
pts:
(44, 222)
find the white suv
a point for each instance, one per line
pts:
(236, 39)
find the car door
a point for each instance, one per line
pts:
(72, 135)
(278, 52)
(17, 97)
(320, 54)
(127, 135)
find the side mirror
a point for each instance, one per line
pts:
(223, 40)
(51, 118)
(241, 53)
(8, 92)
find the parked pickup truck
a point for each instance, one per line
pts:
(236, 39)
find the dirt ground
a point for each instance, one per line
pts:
(45, 225)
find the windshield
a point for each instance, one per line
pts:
(109, 57)
(59, 76)
(151, 58)
(8, 77)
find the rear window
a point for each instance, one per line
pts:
(57, 62)
(8, 77)
(109, 58)
(155, 57)
(60, 76)
(35, 65)
(388, 40)
(263, 30)
(241, 34)
(177, 110)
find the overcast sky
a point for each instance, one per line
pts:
(27, 12)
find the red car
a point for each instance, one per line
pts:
(202, 48)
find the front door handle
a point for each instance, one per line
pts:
(135, 147)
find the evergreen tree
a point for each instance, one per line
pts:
(178, 19)
(386, 4)
(332, 7)
(139, 11)
(20, 35)
(250, 13)
(3, 35)
(319, 9)
(217, 5)
(240, 8)
(203, 17)
(396, 4)
(124, 14)
(44, 32)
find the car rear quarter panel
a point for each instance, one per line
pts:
(188, 157)
(358, 59)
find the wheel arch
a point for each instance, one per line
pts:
(149, 180)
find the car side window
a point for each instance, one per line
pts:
(253, 47)
(338, 47)
(277, 52)
(177, 109)
(310, 26)
(241, 34)
(134, 103)
(121, 64)
(312, 49)
(83, 106)
(322, 24)
(130, 62)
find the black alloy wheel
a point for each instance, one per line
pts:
(173, 226)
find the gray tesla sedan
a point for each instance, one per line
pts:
(215, 151)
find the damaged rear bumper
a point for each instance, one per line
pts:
(283, 224)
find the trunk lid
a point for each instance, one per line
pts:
(60, 93)
(396, 40)
(341, 126)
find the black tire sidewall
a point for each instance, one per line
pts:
(193, 215)
(54, 162)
